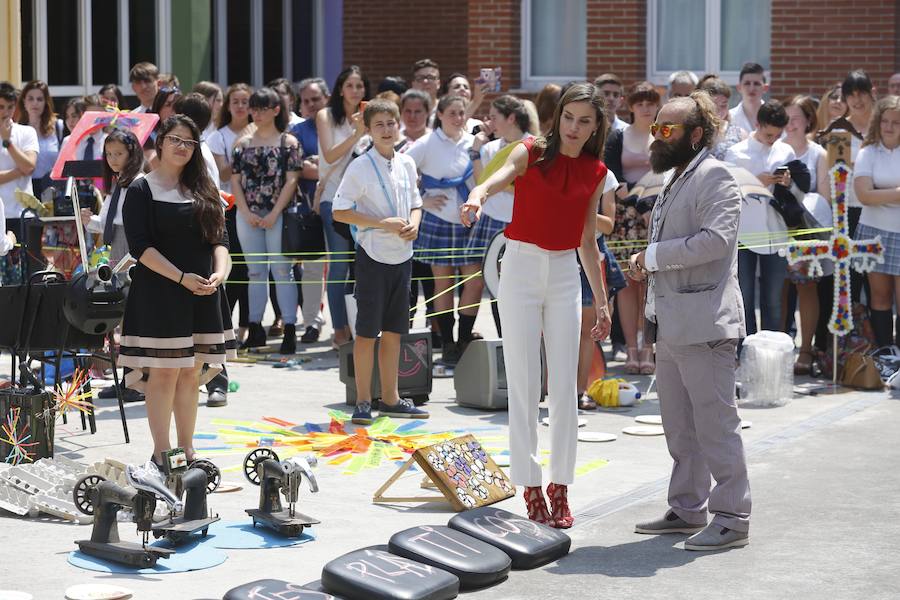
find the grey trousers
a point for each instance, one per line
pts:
(703, 432)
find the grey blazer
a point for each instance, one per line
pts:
(697, 295)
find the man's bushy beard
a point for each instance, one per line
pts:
(665, 155)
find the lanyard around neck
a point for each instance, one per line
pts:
(387, 195)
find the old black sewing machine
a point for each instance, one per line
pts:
(276, 478)
(94, 495)
(103, 499)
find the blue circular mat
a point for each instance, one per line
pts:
(194, 556)
(242, 535)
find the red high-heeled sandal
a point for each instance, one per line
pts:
(537, 506)
(559, 502)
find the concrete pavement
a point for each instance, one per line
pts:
(822, 469)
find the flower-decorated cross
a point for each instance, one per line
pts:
(861, 255)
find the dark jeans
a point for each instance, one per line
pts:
(773, 272)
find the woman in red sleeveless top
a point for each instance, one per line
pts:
(558, 183)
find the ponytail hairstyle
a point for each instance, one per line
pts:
(133, 167)
(703, 115)
(510, 105)
(577, 92)
(195, 182)
(443, 104)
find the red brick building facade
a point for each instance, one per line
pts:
(813, 43)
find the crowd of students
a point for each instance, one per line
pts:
(285, 143)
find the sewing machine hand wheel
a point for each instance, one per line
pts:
(252, 461)
(81, 493)
(213, 474)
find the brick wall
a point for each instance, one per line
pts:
(616, 39)
(816, 42)
(387, 37)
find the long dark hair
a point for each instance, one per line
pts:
(336, 100)
(578, 92)
(48, 117)
(135, 162)
(195, 182)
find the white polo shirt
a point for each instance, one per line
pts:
(757, 215)
(883, 166)
(25, 139)
(739, 118)
(440, 157)
(360, 190)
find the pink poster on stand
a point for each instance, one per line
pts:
(141, 124)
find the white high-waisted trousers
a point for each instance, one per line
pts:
(540, 291)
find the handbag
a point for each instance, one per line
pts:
(860, 372)
(301, 229)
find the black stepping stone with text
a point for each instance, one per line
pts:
(476, 563)
(374, 574)
(275, 589)
(527, 543)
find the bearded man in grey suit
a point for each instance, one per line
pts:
(695, 314)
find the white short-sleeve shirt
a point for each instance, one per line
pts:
(360, 190)
(739, 118)
(440, 157)
(221, 143)
(883, 166)
(757, 215)
(25, 139)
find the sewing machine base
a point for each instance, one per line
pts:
(179, 531)
(282, 521)
(126, 553)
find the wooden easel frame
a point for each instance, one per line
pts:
(380, 498)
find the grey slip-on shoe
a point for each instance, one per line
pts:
(716, 537)
(670, 523)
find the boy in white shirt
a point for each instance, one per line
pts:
(378, 195)
(762, 230)
(752, 85)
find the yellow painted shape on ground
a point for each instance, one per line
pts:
(588, 467)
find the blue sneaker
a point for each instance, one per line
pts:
(362, 414)
(404, 409)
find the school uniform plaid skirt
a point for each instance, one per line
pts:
(481, 235)
(442, 243)
(891, 242)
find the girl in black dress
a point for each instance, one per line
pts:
(175, 320)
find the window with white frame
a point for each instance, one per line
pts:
(259, 40)
(554, 41)
(79, 45)
(707, 36)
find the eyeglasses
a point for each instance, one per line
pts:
(423, 78)
(180, 142)
(665, 130)
(170, 90)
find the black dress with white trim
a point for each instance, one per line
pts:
(165, 325)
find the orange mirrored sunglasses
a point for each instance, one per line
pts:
(665, 130)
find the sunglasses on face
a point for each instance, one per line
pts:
(180, 142)
(612, 94)
(423, 78)
(665, 130)
(170, 90)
